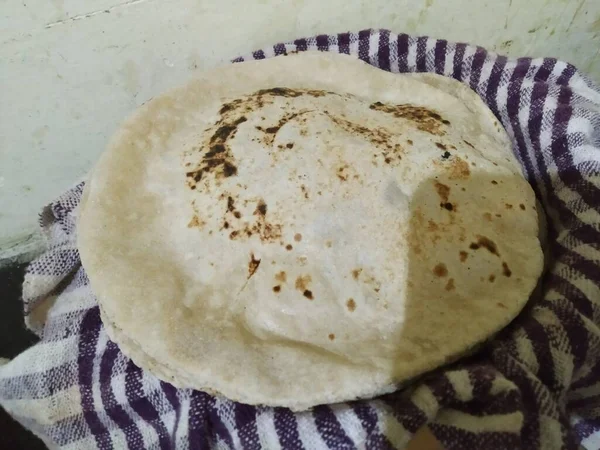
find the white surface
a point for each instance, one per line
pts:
(71, 70)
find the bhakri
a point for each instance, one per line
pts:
(307, 229)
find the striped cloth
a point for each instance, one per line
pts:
(536, 386)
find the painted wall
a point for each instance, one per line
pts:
(71, 70)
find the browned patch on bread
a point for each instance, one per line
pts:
(508, 206)
(487, 216)
(304, 191)
(459, 169)
(308, 294)
(492, 278)
(281, 276)
(469, 144)
(289, 247)
(196, 222)
(450, 285)
(356, 273)
(302, 282)
(276, 288)
(440, 145)
(331, 337)
(506, 270)
(297, 237)
(501, 305)
(463, 256)
(443, 191)
(440, 270)
(351, 304)
(522, 206)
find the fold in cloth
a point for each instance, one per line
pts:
(535, 386)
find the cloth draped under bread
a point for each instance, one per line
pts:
(535, 386)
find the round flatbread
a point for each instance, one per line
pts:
(308, 229)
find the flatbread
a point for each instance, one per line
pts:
(307, 229)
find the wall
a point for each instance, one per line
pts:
(71, 70)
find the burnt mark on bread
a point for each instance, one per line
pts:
(487, 243)
(424, 119)
(230, 204)
(304, 191)
(271, 132)
(260, 227)
(506, 270)
(261, 208)
(443, 192)
(379, 137)
(225, 131)
(253, 265)
(232, 209)
(440, 270)
(218, 160)
(291, 93)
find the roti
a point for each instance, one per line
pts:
(307, 229)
